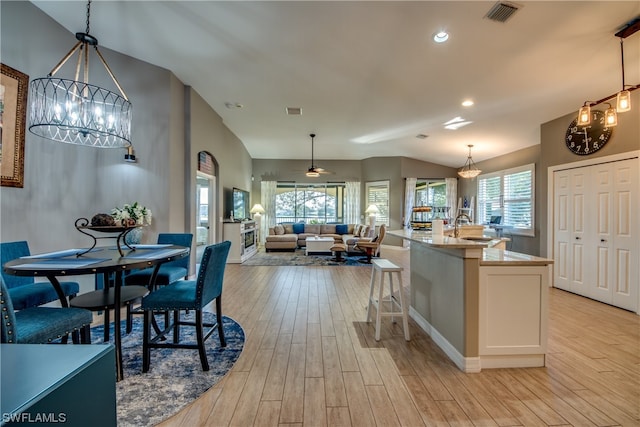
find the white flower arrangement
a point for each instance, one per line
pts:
(134, 214)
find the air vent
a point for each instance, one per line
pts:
(294, 111)
(422, 136)
(502, 11)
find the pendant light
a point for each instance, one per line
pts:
(469, 170)
(75, 111)
(623, 98)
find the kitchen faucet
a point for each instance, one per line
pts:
(456, 230)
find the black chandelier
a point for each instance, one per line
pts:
(77, 112)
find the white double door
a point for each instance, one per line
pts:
(596, 248)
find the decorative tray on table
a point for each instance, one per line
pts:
(83, 224)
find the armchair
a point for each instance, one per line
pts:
(372, 248)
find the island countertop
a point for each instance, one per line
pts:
(490, 255)
(447, 242)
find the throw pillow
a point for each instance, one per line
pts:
(364, 231)
(278, 229)
(342, 228)
(298, 228)
(356, 230)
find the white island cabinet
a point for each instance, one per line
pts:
(485, 307)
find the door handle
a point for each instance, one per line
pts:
(578, 238)
(603, 240)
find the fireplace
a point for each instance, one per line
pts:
(249, 239)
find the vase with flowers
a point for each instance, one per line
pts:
(132, 215)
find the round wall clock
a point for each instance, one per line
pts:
(588, 139)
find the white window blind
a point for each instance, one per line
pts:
(510, 194)
(378, 194)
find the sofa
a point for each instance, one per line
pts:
(292, 236)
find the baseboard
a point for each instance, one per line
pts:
(465, 364)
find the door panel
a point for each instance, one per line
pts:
(596, 244)
(627, 247)
(562, 233)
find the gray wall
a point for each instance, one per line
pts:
(553, 151)
(62, 182)
(206, 132)
(468, 187)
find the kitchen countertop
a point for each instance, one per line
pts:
(490, 256)
(447, 242)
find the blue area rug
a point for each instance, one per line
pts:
(175, 377)
(298, 258)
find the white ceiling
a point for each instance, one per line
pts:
(367, 75)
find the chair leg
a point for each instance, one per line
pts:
(107, 323)
(129, 318)
(75, 337)
(146, 337)
(85, 334)
(64, 339)
(200, 337)
(223, 342)
(176, 326)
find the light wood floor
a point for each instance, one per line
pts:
(310, 359)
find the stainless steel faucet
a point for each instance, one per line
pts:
(456, 231)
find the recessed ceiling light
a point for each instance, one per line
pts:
(440, 36)
(467, 103)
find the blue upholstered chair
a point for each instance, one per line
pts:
(169, 272)
(24, 290)
(42, 325)
(188, 295)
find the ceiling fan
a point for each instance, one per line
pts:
(314, 171)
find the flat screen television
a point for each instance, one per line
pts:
(240, 204)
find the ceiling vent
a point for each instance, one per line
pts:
(294, 111)
(502, 11)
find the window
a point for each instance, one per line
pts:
(378, 194)
(431, 193)
(510, 194)
(310, 204)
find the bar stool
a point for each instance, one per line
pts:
(386, 266)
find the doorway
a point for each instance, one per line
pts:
(205, 208)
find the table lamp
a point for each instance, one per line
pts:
(372, 210)
(257, 210)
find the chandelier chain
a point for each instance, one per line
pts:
(88, 15)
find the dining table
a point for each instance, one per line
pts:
(100, 260)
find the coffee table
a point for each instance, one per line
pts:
(319, 244)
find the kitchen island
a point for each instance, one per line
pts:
(484, 307)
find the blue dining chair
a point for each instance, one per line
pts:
(169, 272)
(186, 295)
(24, 290)
(42, 325)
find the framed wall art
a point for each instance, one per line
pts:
(13, 104)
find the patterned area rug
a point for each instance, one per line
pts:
(175, 377)
(298, 258)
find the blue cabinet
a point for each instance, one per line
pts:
(47, 384)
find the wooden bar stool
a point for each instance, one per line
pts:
(395, 300)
